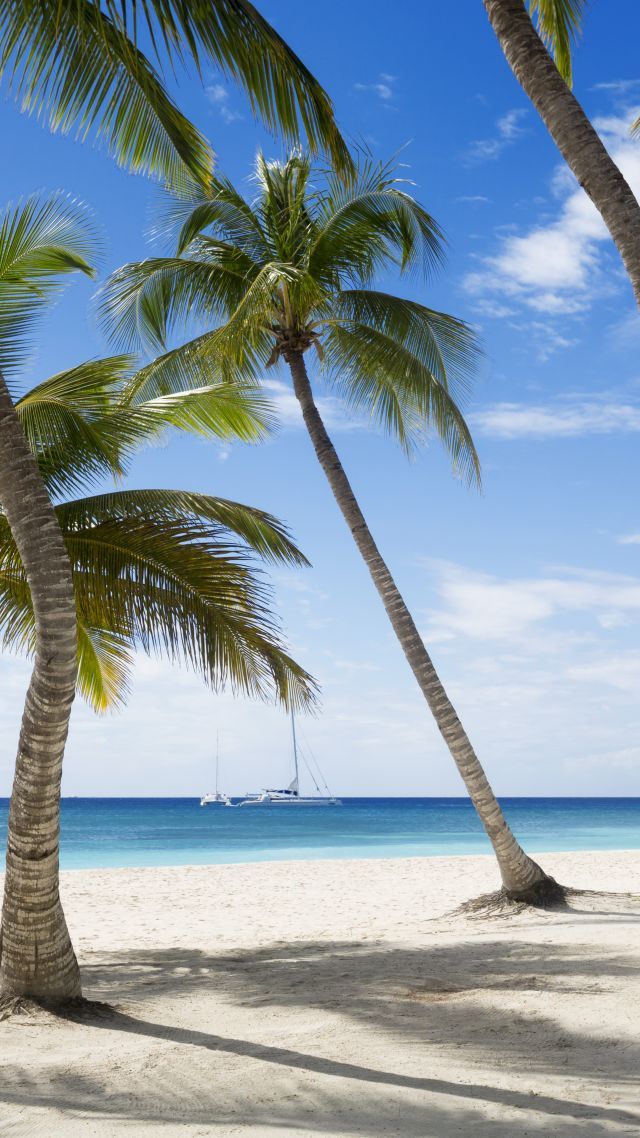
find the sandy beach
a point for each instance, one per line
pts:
(338, 998)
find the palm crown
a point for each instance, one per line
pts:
(292, 270)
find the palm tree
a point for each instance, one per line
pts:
(548, 86)
(78, 62)
(291, 272)
(177, 547)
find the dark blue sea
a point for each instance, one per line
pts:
(102, 832)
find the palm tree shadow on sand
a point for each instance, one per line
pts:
(477, 997)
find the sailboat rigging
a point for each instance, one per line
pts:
(219, 798)
(290, 795)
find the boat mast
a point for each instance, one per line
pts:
(295, 752)
(217, 758)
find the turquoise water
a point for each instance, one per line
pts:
(102, 832)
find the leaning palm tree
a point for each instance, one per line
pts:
(548, 86)
(85, 559)
(78, 63)
(289, 274)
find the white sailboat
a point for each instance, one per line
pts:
(218, 798)
(290, 795)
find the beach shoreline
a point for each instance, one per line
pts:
(338, 997)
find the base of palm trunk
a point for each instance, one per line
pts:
(544, 894)
(76, 1009)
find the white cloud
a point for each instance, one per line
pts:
(383, 88)
(508, 130)
(219, 96)
(629, 539)
(480, 198)
(485, 607)
(557, 267)
(618, 86)
(619, 671)
(556, 420)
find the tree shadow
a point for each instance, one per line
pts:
(330, 1110)
(403, 1012)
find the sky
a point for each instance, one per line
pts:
(528, 594)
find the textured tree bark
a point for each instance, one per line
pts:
(36, 956)
(570, 129)
(521, 876)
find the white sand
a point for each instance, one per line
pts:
(338, 998)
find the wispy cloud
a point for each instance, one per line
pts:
(508, 130)
(335, 413)
(628, 539)
(383, 88)
(479, 198)
(557, 267)
(218, 95)
(486, 607)
(618, 86)
(557, 420)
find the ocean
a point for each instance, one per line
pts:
(110, 832)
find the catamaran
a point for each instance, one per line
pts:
(218, 798)
(290, 795)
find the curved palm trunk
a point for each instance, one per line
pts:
(521, 876)
(570, 129)
(36, 956)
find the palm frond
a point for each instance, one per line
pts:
(105, 666)
(70, 427)
(78, 62)
(559, 23)
(189, 365)
(222, 211)
(142, 300)
(261, 531)
(69, 60)
(172, 573)
(241, 44)
(445, 346)
(376, 373)
(371, 224)
(41, 241)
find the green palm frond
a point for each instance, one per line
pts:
(70, 60)
(105, 665)
(41, 241)
(443, 345)
(69, 425)
(82, 428)
(260, 531)
(171, 573)
(372, 224)
(145, 298)
(221, 411)
(78, 62)
(377, 374)
(187, 366)
(559, 23)
(222, 211)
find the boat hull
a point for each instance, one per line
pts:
(276, 802)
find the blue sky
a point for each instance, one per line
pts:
(529, 595)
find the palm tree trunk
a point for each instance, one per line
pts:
(570, 129)
(522, 878)
(36, 956)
